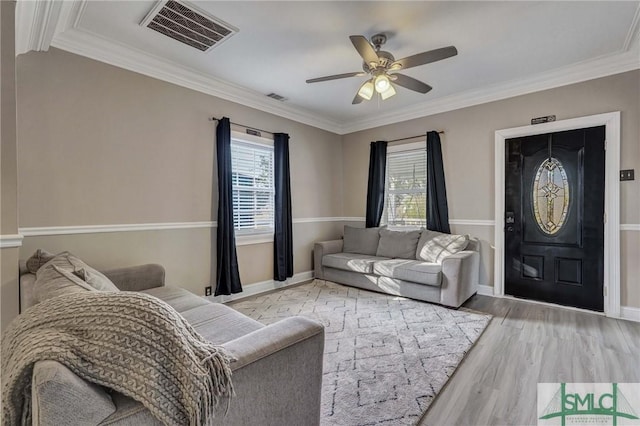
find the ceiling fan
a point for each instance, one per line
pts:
(380, 65)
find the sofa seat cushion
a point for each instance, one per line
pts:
(351, 262)
(410, 270)
(219, 323)
(180, 299)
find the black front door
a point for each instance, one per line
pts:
(554, 217)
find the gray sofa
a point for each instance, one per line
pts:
(419, 264)
(277, 374)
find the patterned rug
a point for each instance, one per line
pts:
(385, 357)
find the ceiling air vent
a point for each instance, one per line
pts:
(188, 24)
(277, 97)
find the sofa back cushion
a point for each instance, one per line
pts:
(398, 244)
(361, 240)
(64, 274)
(435, 246)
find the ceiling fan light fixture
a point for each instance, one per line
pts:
(388, 93)
(366, 90)
(382, 83)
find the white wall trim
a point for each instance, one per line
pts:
(353, 219)
(43, 23)
(98, 229)
(133, 227)
(11, 240)
(249, 290)
(472, 222)
(630, 313)
(612, 198)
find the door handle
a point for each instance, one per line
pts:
(510, 220)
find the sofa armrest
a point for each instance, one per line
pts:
(137, 278)
(322, 248)
(277, 375)
(460, 275)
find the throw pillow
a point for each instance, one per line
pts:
(398, 244)
(95, 279)
(435, 246)
(53, 281)
(361, 240)
(37, 259)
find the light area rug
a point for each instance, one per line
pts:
(385, 357)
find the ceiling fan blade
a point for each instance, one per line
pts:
(411, 83)
(425, 57)
(358, 99)
(337, 76)
(364, 48)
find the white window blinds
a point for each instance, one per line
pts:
(405, 202)
(253, 188)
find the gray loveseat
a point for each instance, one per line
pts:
(420, 264)
(277, 374)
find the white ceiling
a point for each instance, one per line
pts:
(505, 49)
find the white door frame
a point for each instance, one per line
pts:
(611, 199)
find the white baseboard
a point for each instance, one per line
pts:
(485, 290)
(630, 313)
(263, 287)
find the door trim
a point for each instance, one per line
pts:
(611, 199)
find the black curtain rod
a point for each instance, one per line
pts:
(414, 137)
(242, 125)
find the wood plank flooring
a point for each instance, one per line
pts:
(526, 344)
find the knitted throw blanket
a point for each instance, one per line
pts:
(131, 342)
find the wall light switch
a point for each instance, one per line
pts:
(627, 174)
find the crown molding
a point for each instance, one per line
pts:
(93, 46)
(40, 24)
(634, 31)
(576, 73)
(36, 24)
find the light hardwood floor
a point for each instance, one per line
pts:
(526, 344)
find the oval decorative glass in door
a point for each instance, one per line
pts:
(550, 196)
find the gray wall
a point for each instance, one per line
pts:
(8, 166)
(468, 150)
(99, 145)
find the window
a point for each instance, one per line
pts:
(253, 188)
(405, 202)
